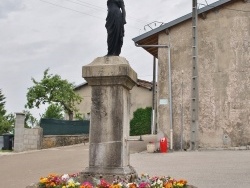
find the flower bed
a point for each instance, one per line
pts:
(145, 181)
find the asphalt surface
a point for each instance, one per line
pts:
(204, 169)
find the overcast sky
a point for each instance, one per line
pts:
(64, 35)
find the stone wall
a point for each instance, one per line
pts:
(224, 78)
(26, 139)
(32, 138)
(57, 141)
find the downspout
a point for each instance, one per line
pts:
(153, 97)
(169, 87)
(170, 95)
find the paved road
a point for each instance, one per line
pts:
(206, 169)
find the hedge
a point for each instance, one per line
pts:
(141, 122)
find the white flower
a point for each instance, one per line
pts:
(77, 183)
(65, 177)
(159, 182)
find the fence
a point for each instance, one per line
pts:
(63, 127)
(1, 142)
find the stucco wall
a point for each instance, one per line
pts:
(140, 97)
(224, 77)
(85, 106)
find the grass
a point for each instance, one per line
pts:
(5, 151)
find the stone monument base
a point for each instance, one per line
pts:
(111, 78)
(108, 174)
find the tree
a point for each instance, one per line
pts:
(6, 120)
(53, 89)
(2, 104)
(54, 111)
(7, 123)
(141, 122)
(30, 120)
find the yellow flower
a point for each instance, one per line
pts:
(115, 186)
(43, 180)
(71, 184)
(179, 184)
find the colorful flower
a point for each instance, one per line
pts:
(86, 185)
(70, 181)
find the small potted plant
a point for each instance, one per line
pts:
(151, 147)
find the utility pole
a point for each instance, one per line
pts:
(195, 86)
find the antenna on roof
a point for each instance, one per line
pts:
(153, 23)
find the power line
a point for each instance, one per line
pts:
(91, 4)
(79, 11)
(70, 9)
(134, 18)
(103, 9)
(88, 5)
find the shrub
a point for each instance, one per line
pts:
(141, 122)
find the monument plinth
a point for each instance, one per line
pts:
(111, 78)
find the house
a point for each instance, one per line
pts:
(221, 88)
(140, 97)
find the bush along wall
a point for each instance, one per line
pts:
(141, 122)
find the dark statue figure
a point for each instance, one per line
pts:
(115, 21)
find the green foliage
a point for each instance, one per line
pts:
(54, 111)
(30, 120)
(141, 122)
(53, 90)
(7, 123)
(6, 120)
(79, 116)
(2, 103)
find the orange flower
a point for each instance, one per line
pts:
(52, 184)
(182, 181)
(132, 185)
(85, 186)
(168, 185)
(114, 186)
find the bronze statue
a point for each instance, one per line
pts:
(115, 21)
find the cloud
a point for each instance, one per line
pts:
(8, 6)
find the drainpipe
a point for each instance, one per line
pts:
(169, 87)
(153, 98)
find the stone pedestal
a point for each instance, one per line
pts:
(19, 132)
(111, 78)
